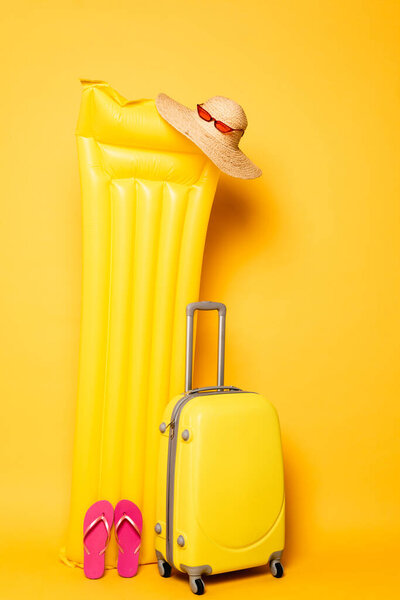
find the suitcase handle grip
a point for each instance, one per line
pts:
(190, 310)
(205, 305)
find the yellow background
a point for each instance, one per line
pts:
(306, 258)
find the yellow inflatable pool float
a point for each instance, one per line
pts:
(147, 193)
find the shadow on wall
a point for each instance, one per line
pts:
(241, 228)
(241, 225)
(237, 232)
(300, 486)
(244, 226)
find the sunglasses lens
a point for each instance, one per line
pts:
(203, 113)
(222, 127)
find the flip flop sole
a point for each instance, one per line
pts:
(129, 539)
(96, 538)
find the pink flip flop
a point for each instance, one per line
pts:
(96, 537)
(128, 524)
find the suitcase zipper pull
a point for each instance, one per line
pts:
(163, 428)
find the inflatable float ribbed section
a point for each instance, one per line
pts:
(147, 193)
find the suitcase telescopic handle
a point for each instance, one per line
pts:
(190, 310)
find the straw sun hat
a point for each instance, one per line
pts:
(216, 127)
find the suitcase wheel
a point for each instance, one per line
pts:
(164, 568)
(276, 568)
(197, 585)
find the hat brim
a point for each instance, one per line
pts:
(231, 161)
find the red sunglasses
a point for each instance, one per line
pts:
(222, 127)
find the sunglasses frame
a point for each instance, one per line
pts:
(229, 130)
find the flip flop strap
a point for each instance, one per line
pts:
(127, 518)
(100, 518)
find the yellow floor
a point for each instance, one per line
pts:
(38, 574)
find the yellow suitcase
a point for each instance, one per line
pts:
(220, 495)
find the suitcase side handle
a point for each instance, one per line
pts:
(190, 310)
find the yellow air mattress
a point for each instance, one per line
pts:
(147, 192)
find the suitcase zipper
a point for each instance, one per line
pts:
(171, 474)
(171, 424)
(172, 445)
